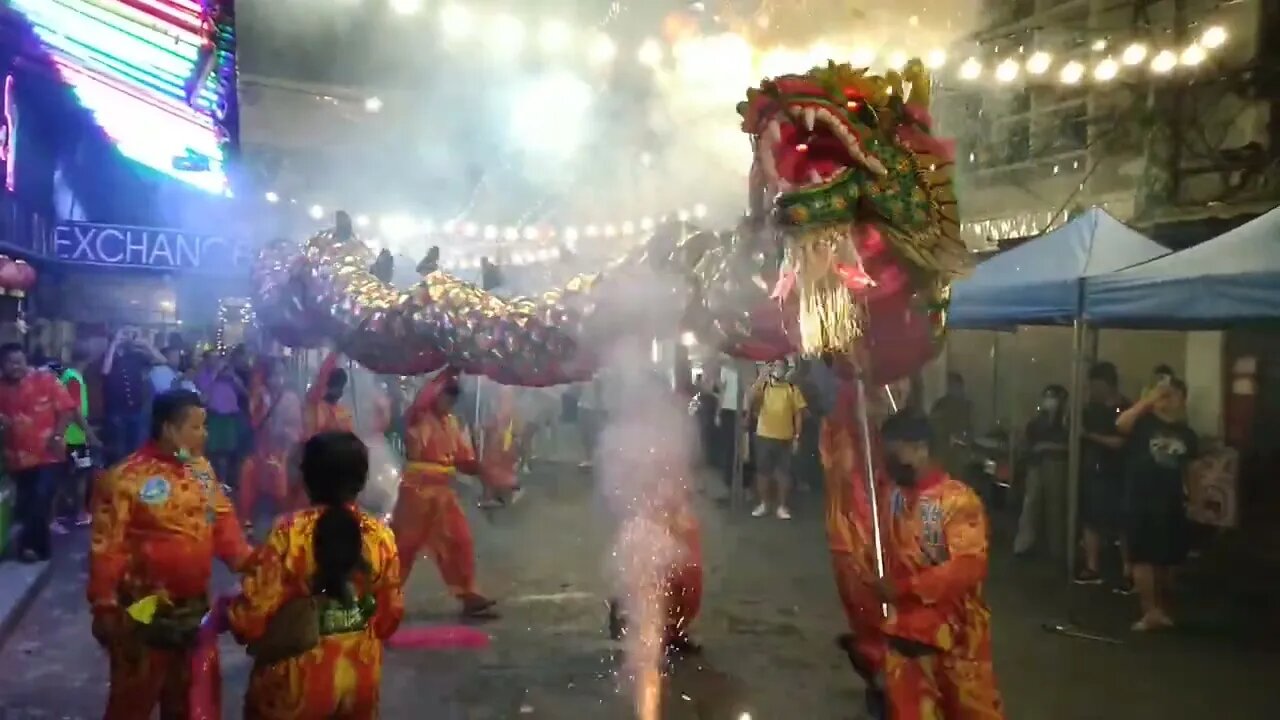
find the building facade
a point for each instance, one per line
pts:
(1158, 110)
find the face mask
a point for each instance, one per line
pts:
(1049, 404)
(776, 374)
(901, 473)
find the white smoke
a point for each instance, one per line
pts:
(643, 465)
(369, 397)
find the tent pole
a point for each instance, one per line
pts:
(1073, 442)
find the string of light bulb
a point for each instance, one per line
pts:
(1070, 71)
(520, 244)
(509, 36)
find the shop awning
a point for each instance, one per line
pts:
(1040, 282)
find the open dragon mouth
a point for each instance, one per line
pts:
(806, 145)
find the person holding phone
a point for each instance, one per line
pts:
(780, 408)
(127, 391)
(1156, 527)
(221, 388)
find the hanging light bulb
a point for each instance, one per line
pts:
(1039, 62)
(1213, 37)
(936, 59)
(1106, 70)
(970, 69)
(1071, 73)
(1164, 61)
(1007, 71)
(1134, 54)
(1193, 55)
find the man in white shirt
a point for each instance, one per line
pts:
(166, 377)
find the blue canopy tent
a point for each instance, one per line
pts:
(1041, 281)
(1232, 278)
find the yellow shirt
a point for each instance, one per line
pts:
(781, 403)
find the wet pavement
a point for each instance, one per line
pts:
(770, 613)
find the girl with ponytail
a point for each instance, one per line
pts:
(320, 595)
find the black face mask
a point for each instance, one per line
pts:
(901, 473)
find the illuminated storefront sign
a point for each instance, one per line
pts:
(158, 249)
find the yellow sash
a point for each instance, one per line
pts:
(431, 467)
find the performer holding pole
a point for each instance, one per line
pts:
(938, 663)
(851, 532)
(427, 513)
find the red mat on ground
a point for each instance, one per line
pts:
(439, 637)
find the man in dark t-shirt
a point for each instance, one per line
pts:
(1162, 447)
(1102, 462)
(126, 392)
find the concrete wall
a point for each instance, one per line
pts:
(1204, 375)
(1006, 372)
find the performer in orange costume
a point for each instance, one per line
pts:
(501, 451)
(322, 412)
(159, 519)
(939, 626)
(427, 513)
(849, 537)
(345, 561)
(276, 416)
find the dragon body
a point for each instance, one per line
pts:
(850, 246)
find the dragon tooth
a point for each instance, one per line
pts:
(814, 177)
(810, 115)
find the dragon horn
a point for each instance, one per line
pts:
(915, 74)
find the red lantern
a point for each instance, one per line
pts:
(26, 275)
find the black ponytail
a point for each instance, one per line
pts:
(334, 468)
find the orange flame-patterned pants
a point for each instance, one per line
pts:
(941, 686)
(143, 677)
(429, 517)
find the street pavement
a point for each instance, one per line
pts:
(770, 614)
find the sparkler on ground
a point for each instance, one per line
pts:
(645, 460)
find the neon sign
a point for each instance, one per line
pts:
(142, 247)
(158, 76)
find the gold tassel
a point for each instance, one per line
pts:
(829, 317)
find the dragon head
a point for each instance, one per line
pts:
(847, 166)
(837, 145)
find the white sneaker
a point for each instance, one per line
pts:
(783, 513)
(760, 511)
